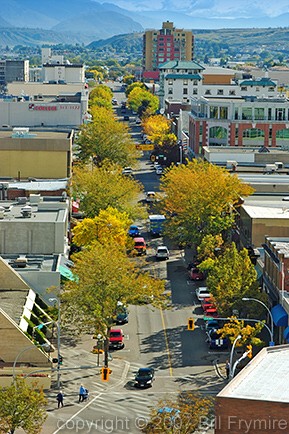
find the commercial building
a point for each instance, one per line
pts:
(44, 155)
(167, 43)
(40, 105)
(14, 70)
(257, 399)
(239, 121)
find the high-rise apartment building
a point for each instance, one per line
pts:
(168, 43)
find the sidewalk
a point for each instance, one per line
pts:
(80, 367)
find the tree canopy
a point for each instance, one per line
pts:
(249, 333)
(105, 276)
(158, 130)
(22, 406)
(110, 226)
(101, 187)
(142, 101)
(182, 416)
(199, 198)
(106, 138)
(231, 277)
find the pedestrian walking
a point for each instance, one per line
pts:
(82, 393)
(59, 398)
(228, 369)
(86, 394)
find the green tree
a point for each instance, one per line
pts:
(231, 277)
(105, 138)
(143, 102)
(132, 86)
(106, 276)
(22, 406)
(101, 187)
(184, 417)
(199, 198)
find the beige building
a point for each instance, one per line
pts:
(19, 304)
(35, 155)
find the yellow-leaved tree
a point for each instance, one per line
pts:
(158, 130)
(109, 227)
(101, 187)
(106, 138)
(249, 333)
(198, 200)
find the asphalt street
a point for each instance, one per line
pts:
(153, 337)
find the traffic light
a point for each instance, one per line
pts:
(105, 374)
(249, 351)
(191, 324)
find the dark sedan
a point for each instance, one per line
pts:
(144, 377)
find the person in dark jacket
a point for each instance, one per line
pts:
(59, 398)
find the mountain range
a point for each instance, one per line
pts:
(34, 22)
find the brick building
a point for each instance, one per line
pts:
(256, 401)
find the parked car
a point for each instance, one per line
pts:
(211, 311)
(159, 170)
(162, 252)
(215, 341)
(144, 377)
(133, 231)
(196, 274)
(202, 292)
(150, 196)
(127, 171)
(114, 101)
(126, 118)
(121, 315)
(116, 341)
(140, 246)
(138, 121)
(212, 324)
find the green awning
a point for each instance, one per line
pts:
(66, 272)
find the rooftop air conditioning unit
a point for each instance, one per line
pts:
(26, 211)
(279, 164)
(231, 164)
(270, 168)
(20, 262)
(22, 200)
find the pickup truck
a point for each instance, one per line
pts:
(116, 339)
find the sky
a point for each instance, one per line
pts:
(215, 8)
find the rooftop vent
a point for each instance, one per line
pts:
(26, 211)
(22, 200)
(20, 262)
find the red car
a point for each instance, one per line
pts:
(206, 303)
(196, 274)
(211, 312)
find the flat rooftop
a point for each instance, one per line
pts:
(32, 135)
(12, 303)
(264, 378)
(42, 212)
(266, 212)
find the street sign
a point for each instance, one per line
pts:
(149, 147)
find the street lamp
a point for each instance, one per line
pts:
(44, 346)
(99, 338)
(270, 314)
(58, 341)
(232, 354)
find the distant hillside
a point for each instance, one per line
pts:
(211, 42)
(128, 43)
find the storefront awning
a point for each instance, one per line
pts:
(286, 334)
(280, 316)
(66, 272)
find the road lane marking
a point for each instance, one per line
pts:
(167, 343)
(119, 382)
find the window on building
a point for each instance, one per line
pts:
(271, 89)
(207, 92)
(247, 113)
(232, 92)
(257, 89)
(185, 82)
(220, 92)
(195, 91)
(185, 91)
(244, 88)
(259, 113)
(170, 81)
(214, 112)
(170, 91)
(195, 82)
(223, 112)
(280, 114)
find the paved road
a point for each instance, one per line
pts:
(152, 338)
